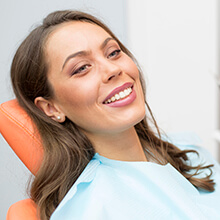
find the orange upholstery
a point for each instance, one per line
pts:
(23, 210)
(18, 130)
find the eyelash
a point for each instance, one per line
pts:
(81, 69)
(84, 67)
(115, 51)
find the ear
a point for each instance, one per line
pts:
(49, 109)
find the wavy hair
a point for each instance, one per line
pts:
(67, 151)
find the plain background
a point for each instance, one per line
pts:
(178, 50)
(175, 43)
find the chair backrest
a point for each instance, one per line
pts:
(20, 133)
(23, 210)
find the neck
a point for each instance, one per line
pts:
(125, 146)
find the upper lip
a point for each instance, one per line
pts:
(118, 89)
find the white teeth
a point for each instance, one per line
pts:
(126, 91)
(120, 95)
(117, 96)
(113, 98)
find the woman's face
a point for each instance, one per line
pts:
(95, 84)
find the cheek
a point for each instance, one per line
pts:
(135, 74)
(75, 98)
(131, 68)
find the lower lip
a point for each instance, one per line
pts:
(123, 102)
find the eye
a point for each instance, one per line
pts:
(81, 69)
(114, 53)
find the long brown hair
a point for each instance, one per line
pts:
(67, 151)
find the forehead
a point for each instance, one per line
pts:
(76, 35)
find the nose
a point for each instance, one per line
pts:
(110, 70)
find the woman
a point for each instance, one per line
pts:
(85, 92)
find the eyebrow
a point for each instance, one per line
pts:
(85, 53)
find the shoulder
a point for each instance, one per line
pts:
(22, 210)
(191, 141)
(74, 203)
(183, 140)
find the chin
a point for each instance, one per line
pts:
(140, 118)
(136, 118)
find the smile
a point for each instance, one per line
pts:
(118, 96)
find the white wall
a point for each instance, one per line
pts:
(176, 44)
(16, 19)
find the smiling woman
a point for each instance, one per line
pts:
(102, 159)
(91, 58)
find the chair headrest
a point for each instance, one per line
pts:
(19, 131)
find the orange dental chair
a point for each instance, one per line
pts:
(18, 130)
